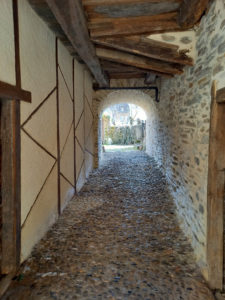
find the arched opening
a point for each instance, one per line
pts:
(123, 128)
(137, 98)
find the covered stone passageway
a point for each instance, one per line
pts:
(142, 224)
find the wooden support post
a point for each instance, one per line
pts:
(10, 189)
(216, 184)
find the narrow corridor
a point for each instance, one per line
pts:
(119, 239)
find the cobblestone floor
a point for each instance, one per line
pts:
(118, 239)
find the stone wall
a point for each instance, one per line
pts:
(179, 128)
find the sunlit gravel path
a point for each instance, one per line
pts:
(118, 239)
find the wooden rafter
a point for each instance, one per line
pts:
(70, 16)
(130, 75)
(146, 47)
(118, 70)
(134, 25)
(130, 9)
(191, 12)
(112, 2)
(139, 62)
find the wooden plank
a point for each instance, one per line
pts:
(126, 75)
(116, 68)
(191, 12)
(220, 96)
(146, 47)
(133, 26)
(111, 67)
(126, 10)
(10, 188)
(215, 206)
(70, 16)
(112, 2)
(139, 62)
(8, 91)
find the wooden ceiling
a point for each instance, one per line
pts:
(110, 36)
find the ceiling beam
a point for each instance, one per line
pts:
(146, 47)
(127, 10)
(118, 2)
(134, 25)
(191, 12)
(70, 16)
(114, 67)
(139, 62)
(126, 75)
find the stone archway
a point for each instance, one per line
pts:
(105, 98)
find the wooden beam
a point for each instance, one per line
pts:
(133, 26)
(124, 10)
(215, 205)
(112, 2)
(116, 68)
(44, 12)
(70, 16)
(191, 12)
(10, 186)
(139, 62)
(146, 47)
(126, 75)
(111, 66)
(8, 91)
(220, 96)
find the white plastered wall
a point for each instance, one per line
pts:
(39, 147)
(7, 49)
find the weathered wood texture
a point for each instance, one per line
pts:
(220, 96)
(146, 47)
(139, 62)
(133, 25)
(10, 188)
(112, 2)
(70, 16)
(216, 179)
(8, 91)
(126, 10)
(191, 12)
(118, 70)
